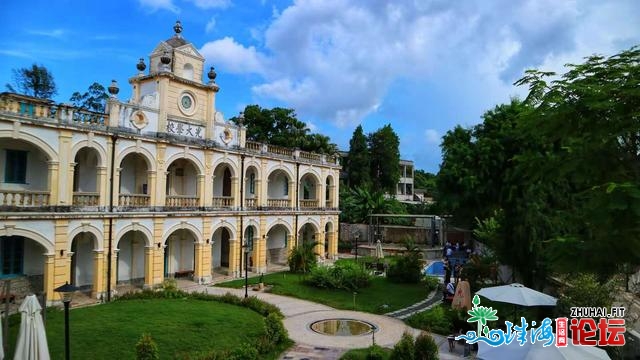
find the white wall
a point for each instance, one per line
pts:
(33, 258)
(181, 247)
(131, 256)
(277, 238)
(276, 185)
(86, 172)
(133, 174)
(84, 259)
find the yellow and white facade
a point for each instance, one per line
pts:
(158, 186)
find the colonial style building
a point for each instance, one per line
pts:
(158, 186)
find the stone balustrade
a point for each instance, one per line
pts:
(24, 198)
(182, 201)
(134, 200)
(86, 198)
(222, 201)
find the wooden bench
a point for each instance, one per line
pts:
(183, 274)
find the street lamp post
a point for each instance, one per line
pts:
(66, 292)
(357, 236)
(247, 249)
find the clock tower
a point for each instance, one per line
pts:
(174, 88)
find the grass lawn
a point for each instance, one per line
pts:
(371, 299)
(180, 327)
(361, 354)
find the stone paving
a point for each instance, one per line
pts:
(299, 314)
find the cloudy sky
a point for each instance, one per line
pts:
(422, 66)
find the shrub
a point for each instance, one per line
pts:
(347, 276)
(146, 348)
(303, 258)
(404, 349)
(425, 347)
(274, 329)
(375, 352)
(431, 283)
(407, 269)
(434, 319)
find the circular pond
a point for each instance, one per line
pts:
(342, 327)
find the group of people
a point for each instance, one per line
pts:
(453, 267)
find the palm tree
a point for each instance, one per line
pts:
(302, 257)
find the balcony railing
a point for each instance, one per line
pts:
(254, 146)
(278, 203)
(222, 201)
(329, 204)
(309, 203)
(86, 198)
(250, 203)
(182, 201)
(134, 200)
(24, 198)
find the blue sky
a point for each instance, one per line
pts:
(422, 66)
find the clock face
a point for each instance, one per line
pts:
(186, 102)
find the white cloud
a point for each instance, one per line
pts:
(232, 57)
(337, 60)
(53, 33)
(432, 137)
(210, 25)
(154, 5)
(211, 4)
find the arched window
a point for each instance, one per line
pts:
(252, 184)
(286, 187)
(187, 71)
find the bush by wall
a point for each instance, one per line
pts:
(347, 276)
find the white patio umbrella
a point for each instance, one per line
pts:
(536, 351)
(379, 252)
(517, 294)
(32, 339)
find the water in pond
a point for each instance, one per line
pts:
(342, 327)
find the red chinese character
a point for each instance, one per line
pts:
(612, 332)
(579, 333)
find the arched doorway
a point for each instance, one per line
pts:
(22, 261)
(134, 181)
(309, 191)
(222, 187)
(179, 254)
(277, 251)
(278, 189)
(220, 251)
(182, 184)
(82, 260)
(22, 182)
(85, 178)
(131, 258)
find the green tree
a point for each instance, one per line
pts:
(280, 126)
(94, 99)
(424, 180)
(303, 257)
(590, 120)
(358, 203)
(385, 158)
(357, 164)
(35, 81)
(404, 349)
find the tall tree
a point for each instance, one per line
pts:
(35, 81)
(385, 158)
(357, 164)
(424, 180)
(590, 118)
(280, 126)
(94, 99)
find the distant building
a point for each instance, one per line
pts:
(404, 191)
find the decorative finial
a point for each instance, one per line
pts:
(141, 66)
(177, 28)
(113, 88)
(241, 118)
(212, 75)
(165, 58)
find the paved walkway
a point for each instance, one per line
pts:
(299, 314)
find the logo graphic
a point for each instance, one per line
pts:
(607, 331)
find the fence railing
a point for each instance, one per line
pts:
(81, 198)
(24, 198)
(182, 201)
(278, 203)
(306, 203)
(134, 200)
(222, 201)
